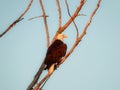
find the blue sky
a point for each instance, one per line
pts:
(95, 63)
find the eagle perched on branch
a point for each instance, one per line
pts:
(55, 52)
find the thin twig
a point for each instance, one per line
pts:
(83, 33)
(17, 20)
(44, 83)
(82, 15)
(60, 14)
(45, 22)
(77, 34)
(35, 17)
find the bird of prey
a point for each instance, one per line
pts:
(55, 52)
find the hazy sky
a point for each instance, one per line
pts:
(95, 63)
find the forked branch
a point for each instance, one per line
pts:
(83, 33)
(72, 19)
(61, 29)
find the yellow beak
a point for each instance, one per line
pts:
(65, 36)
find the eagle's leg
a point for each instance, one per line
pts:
(51, 69)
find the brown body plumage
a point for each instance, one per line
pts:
(55, 52)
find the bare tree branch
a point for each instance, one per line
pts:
(50, 72)
(45, 22)
(17, 20)
(72, 19)
(42, 81)
(38, 74)
(35, 17)
(81, 15)
(48, 41)
(60, 14)
(83, 33)
(60, 30)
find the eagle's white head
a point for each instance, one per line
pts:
(61, 36)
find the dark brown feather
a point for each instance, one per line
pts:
(55, 52)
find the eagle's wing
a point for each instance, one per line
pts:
(53, 46)
(55, 52)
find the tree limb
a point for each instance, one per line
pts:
(17, 20)
(38, 74)
(60, 14)
(72, 19)
(61, 29)
(45, 22)
(50, 72)
(35, 17)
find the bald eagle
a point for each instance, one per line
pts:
(55, 52)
